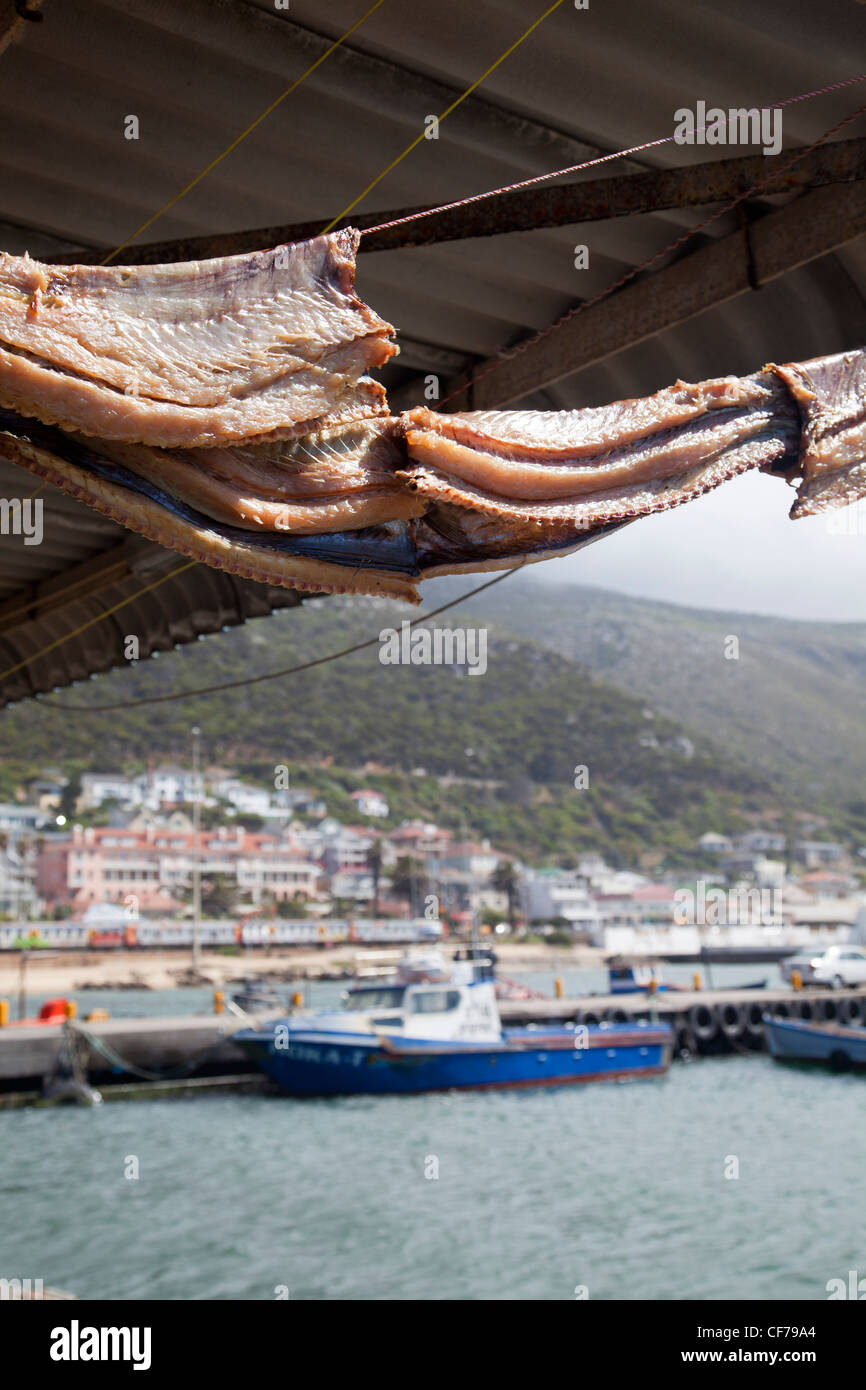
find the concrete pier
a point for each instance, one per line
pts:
(163, 1055)
(706, 1022)
(122, 1048)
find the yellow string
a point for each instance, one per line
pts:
(28, 661)
(446, 112)
(250, 128)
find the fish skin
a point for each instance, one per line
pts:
(203, 352)
(380, 562)
(333, 480)
(453, 540)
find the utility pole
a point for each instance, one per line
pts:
(196, 862)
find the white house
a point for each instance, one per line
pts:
(354, 884)
(169, 784)
(99, 787)
(16, 819)
(18, 896)
(370, 803)
(550, 893)
(712, 843)
(761, 842)
(347, 849)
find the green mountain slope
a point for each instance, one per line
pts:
(792, 706)
(507, 742)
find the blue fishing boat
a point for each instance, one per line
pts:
(399, 1038)
(834, 1044)
(630, 977)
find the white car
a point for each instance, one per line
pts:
(837, 966)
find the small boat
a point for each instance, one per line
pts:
(834, 1044)
(633, 977)
(630, 977)
(399, 1038)
(258, 997)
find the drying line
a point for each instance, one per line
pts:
(28, 661)
(508, 354)
(243, 135)
(287, 670)
(587, 164)
(447, 112)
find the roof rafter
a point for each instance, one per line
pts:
(529, 209)
(811, 226)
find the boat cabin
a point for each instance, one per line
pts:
(461, 1007)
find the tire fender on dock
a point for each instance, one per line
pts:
(755, 1019)
(615, 1016)
(703, 1022)
(732, 1021)
(826, 1010)
(849, 1011)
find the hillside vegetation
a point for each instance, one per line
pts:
(495, 753)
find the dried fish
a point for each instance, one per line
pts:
(223, 410)
(275, 343)
(587, 468)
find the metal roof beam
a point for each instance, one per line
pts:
(812, 226)
(529, 209)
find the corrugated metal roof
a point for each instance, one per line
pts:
(196, 73)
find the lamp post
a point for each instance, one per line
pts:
(196, 865)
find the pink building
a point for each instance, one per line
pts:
(155, 864)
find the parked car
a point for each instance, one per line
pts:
(837, 966)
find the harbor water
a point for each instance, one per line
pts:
(729, 1178)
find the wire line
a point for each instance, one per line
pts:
(447, 112)
(243, 135)
(287, 670)
(76, 632)
(589, 163)
(508, 354)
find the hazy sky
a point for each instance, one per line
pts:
(735, 549)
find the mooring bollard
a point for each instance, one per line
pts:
(796, 979)
(557, 986)
(696, 981)
(297, 999)
(219, 1001)
(4, 1012)
(70, 1008)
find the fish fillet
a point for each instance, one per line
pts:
(377, 561)
(240, 348)
(600, 466)
(336, 479)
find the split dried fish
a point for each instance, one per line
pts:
(255, 443)
(272, 344)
